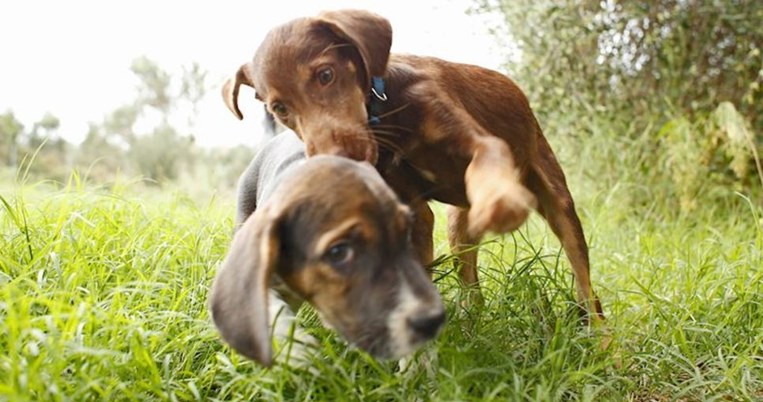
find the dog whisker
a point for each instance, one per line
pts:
(392, 129)
(389, 145)
(393, 111)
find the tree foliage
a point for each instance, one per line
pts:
(645, 68)
(10, 130)
(141, 129)
(151, 136)
(692, 54)
(19, 145)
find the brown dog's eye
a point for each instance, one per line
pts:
(279, 109)
(340, 253)
(326, 76)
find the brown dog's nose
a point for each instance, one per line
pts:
(428, 324)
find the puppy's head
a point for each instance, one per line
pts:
(314, 75)
(339, 238)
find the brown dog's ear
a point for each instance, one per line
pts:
(238, 300)
(370, 33)
(231, 87)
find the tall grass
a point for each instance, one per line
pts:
(103, 297)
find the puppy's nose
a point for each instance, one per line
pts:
(427, 324)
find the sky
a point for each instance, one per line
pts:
(72, 58)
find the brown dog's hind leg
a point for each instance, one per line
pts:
(464, 247)
(555, 203)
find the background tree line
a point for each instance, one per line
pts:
(151, 137)
(666, 92)
(663, 94)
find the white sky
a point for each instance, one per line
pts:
(72, 57)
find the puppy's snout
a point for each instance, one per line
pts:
(339, 151)
(348, 143)
(357, 150)
(427, 324)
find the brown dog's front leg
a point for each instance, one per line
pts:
(498, 200)
(464, 247)
(422, 228)
(421, 233)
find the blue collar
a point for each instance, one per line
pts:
(375, 103)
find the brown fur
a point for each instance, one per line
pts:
(457, 133)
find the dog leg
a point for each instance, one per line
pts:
(424, 363)
(424, 360)
(465, 248)
(421, 235)
(295, 345)
(499, 202)
(557, 207)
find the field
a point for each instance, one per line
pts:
(103, 297)
(115, 212)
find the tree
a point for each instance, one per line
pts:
(10, 132)
(162, 146)
(51, 152)
(161, 154)
(43, 129)
(100, 157)
(154, 87)
(693, 54)
(641, 66)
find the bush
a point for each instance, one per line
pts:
(665, 92)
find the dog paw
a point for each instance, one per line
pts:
(425, 361)
(500, 209)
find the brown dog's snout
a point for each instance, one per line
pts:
(359, 148)
(352, 146)
(345, 139)
(427, 324)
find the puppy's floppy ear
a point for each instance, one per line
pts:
(238, 298)
(231, 87)
(370, 33)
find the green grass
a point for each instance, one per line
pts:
(103, 297)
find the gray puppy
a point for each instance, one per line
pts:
(326, 230)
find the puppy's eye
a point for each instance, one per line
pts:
(326, 76)
(339, 254)
(279, 109)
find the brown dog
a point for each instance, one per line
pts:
(329, 231)
(457, 133)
